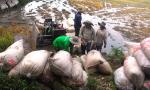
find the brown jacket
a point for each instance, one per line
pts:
(87, 34)
(101, 36)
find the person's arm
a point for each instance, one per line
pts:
(81, 35)
(75, 19)
(93, 35)
(81, 32)
(105, 38)
(105, 43)
(95, 40)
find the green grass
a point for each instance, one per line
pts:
(116, 55)
(92, 84)
(16, 83)
(23, 2)
(6, 39)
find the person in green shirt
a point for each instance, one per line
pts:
(65, 43)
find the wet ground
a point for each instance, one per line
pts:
(137, 27)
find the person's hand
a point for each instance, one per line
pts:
(82, 41)
(76, 46)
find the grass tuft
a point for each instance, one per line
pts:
(116, 55)
(6, 39)
(16, 83)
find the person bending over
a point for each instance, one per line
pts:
(65, 43)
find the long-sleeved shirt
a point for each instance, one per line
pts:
(63, 43)
(77, 20)
(101, 36)
(87, 34)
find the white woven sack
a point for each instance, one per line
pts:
(83, 59)
(85, 77)
(47, 76)
(77, 70)
(121, 81)
(143, 61)
(93, 58)
(16, 44)
(62, 63)
(133, 72)
(90, 70)
(105, 68)
(145, 44)
(32, 64)
(12, 55)
(76, 83)
(132, 47)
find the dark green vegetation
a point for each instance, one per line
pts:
(16, 83)
(23, 2)
(116, 55)
(100, 82)
(97, 82)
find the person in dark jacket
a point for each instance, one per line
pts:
(77, 23)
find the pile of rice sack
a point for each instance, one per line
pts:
(136, 67)
(44, 66)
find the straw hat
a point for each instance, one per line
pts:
(102, 24)
(75, 40)
(88, 23)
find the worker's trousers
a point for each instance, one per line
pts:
(85, 48)
(77, 30)
(99, 47)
